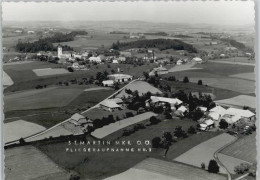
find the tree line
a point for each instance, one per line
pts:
(46, 44)
(161, 44)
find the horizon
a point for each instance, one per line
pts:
(172, 12)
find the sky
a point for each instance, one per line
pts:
(207, 12)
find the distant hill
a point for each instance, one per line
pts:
(161, 44)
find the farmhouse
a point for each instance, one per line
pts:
(160, 70)
(162, 101)
(78, 120)
(216, 112)
(120, 77)
(179, 62)
(109, 105)
(233, 115)
(197, 60)
(108, 83)
(206, 125)
(95, 59)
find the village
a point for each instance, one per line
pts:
(128, 100)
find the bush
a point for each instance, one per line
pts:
(186, 79)
(156, 142)
(154, 120)
(223, 124)
(200, 82)
(179, 132)
(242, 168)
(191, 130)
(213, 166)
(203, 166)
(129, 114)
(168, 115)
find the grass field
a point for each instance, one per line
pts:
(142, 87)
(43, 98)
(248, 76)
(27, 162)
(218, 76)
(203, 153)
(15, 130)
(244, 149)
(153, 169)
(50, 71)
(7, 81)
(239, 101)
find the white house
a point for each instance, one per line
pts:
(197, 60)
(115, 61)
(206, 125)
(233, 115)
(109, 105)
(179, 62)
(161, 101)
(108, 83)
(120, 77)
(95, 59)
(216, 112)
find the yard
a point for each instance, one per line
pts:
(23, 163)
(244, 148)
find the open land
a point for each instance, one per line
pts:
(204, 152)
(113, 127)
(244, 148)
(27, 162)
(239, 101)
(152, 168)
(7, 81)
(20, 129)
(50, 71)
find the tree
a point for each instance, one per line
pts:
(146, 75)
(22, 141)
(154, 120)
(213, 166)
(191, 130)
(186, 79)
(156, 142)
(179, 132)
(167, 136)
(223, 124)
(203, 166)
(200, 82)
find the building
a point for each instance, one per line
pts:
(120, 78)
(206, 125)
(109, 105)
(59, 51)
(216, 113)
(95, 59)
(230, 48)
(197, 60)
(179, 62)
(108, 83)
(162, 101)
(160, 70)
(125, 53)
(115, 61)
(233, 115)
(78, 119)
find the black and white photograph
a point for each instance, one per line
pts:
(143, 90)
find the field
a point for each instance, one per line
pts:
(239, 101)
(244, 149)
(142, 87)
(247, 76)
(203, 153)
(236, 59)
(97, 113)
(15, 130)
(217, 75)
(7, 81)
(113, 127)
(26, 162)
(50, 71)
(98, 39)
(153, 169)
(40, 98)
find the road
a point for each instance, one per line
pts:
(97, 105)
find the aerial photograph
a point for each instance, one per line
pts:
(156, 90)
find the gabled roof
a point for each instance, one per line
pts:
(197, 59)
(209, 122)
(218, 109)
(240, 112)
(109, 103)
(77, 117)
(164, 99)
(182, 109)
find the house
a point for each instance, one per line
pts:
(78, 119)
(125, 53)
(233, 115)
(161, 101)
(95, 59)
(115, 61)
(197, 60)
(203, 109)
(121, 58)
(216, 112)
(222, 55)
(76, 65)
(118, 101)
(120, 77)
(160, 70)
(208, 124)
(108, 83)
(214, 43)
(179, 62)
(109, 105)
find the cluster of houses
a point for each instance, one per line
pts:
(117, 78)
(80, 121)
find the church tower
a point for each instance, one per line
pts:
(59, 51)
